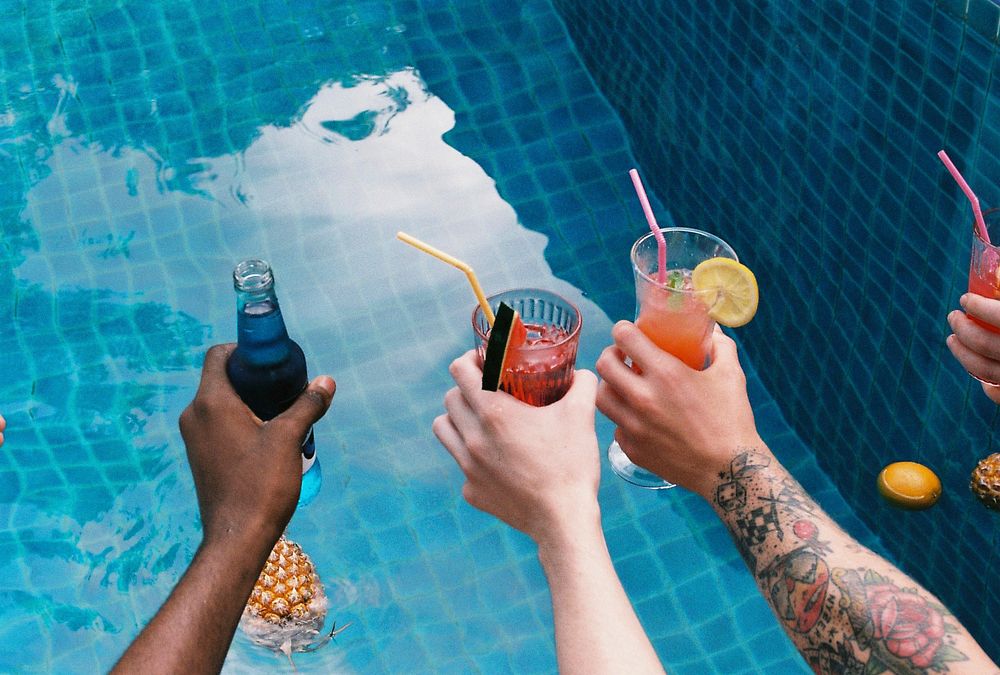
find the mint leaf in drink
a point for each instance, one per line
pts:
(675, 280)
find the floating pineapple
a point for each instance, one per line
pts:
(985, 482)
(287, 607)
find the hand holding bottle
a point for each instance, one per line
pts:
(247, 472)
(268, 369)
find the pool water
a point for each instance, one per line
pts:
(145, 148)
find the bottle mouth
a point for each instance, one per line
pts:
(252, 275)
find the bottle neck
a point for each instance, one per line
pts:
(261, 336)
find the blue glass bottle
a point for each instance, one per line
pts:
(267, 368)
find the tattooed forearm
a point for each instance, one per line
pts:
(847, 609)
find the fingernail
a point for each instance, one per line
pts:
(325, 382)
(963, 300)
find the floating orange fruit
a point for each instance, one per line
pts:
(909, 485)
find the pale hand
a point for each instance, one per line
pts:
(533, 468)
(682, 424)
(977, 349)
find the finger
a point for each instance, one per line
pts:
(452, 441)
(992, 391)
(462, 416)
(724, 351)
(987, 309)
(980, 340)
(467, 372)
(634, 344)
(613, 406)
(215, 384)
(308, 408)
(468, 375)
(612, 369)
(977, 366)
(583, 391)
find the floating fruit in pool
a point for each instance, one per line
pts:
(287, 607)
(909, 485)
(985, 482)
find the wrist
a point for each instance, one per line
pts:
(718, 470)
(247, 538)
(574, 531)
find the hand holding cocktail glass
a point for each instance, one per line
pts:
(537, 466)
(674, 420)
(975, 347)
(975, 341)
(685, 281)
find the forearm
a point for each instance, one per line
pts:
(192, 631)
(845, 608)
(597, 630)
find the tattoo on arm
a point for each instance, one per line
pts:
(861, 617)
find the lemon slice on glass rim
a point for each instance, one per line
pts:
(736, 300)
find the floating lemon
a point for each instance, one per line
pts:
(736, 302)
(909, 485)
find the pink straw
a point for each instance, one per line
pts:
(980, 223)
(661, 243)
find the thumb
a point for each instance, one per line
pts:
(584, 389)
(310, 406)
(724, 349)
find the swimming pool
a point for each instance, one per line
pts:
(146, 147)
(816, 126)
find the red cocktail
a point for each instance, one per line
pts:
(540, 370)
(984, 265)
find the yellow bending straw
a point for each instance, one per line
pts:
(454, 262)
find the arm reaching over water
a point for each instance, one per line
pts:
(846, 609)
(537, 469)
(975, 347)
(247, 474)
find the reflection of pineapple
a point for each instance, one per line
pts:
(287, 606)
(985, 481)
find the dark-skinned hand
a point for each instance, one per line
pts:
(247, 473)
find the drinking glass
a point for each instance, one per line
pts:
(673, 315)
(984, 270)
(540, 371)
(984, 267)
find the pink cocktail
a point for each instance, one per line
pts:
(984, 264)
(540, 370)
(671, 313)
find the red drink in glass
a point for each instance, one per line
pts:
(539, 371)
(984, 264)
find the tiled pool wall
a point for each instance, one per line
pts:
(805, 134)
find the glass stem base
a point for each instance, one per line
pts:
(623, 466)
